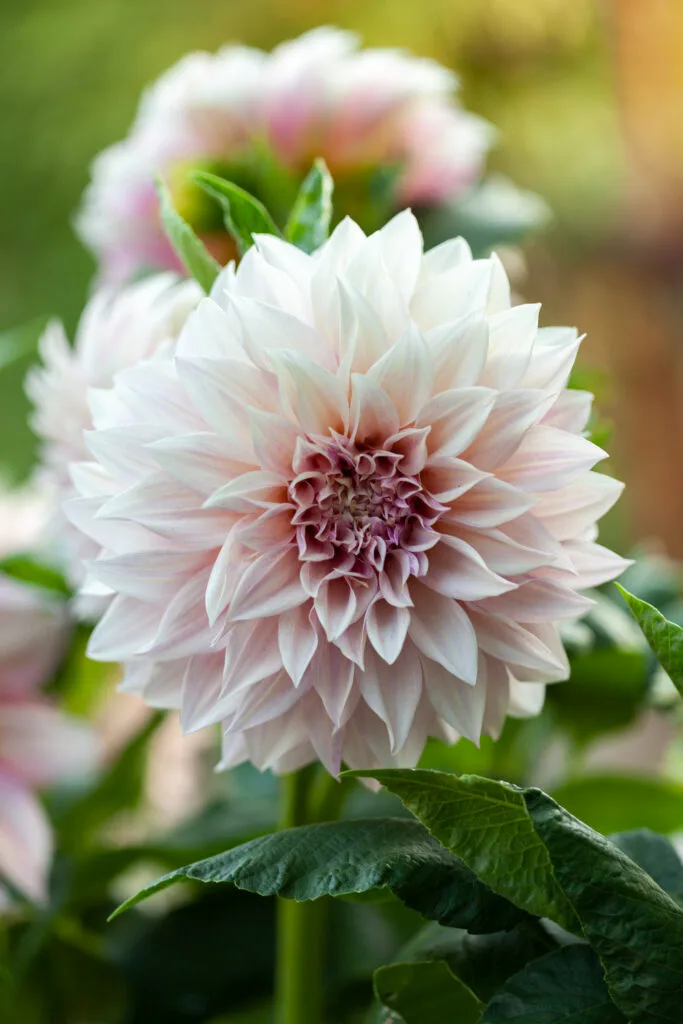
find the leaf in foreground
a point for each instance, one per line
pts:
(567, 985)
(425, 993)
(342, 858)
(529, 849)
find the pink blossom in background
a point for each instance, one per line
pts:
(353, 508)
(39, 745)
(318, 95)
(116, 330)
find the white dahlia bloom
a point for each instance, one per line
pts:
(364, 111)
(116, 330)
(353, 508)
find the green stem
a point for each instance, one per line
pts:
(301, 927)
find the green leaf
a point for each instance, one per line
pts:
(26, 569)
(244, 215)
(19, 342)
(529, 849)
(190, 249)
(341, 858)
(483, 962)
(607, 689)
(615, 803)
(487, 823)
(309, 222)
(426, 993)
(664, 637)
(565, 985)
(656, 855)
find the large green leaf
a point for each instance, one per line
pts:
(245, 216)
(309, 222)
(656, 855)
(483, 962)
(189, 249)
(341, 858)
(425, 993)
(567, 985)
(529, 849)
(664, 637)
(613, 803)
(487, 823)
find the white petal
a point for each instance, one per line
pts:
(270, 586)
(298, 641)
(406, 373)
(373, 414)
(458, 703)
(548, 458)
(457, 570)
(456, 417)
(442, 630)
(393, 692)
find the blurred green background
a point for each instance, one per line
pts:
(588, 99)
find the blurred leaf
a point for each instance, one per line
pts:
(26, 569)
(568, 984)
(529, 849)
(656, 855)
(19, 342)
(425, 993)
(612, 803)
(81, 683)
(309, 222)
(245, 216)
(664, 637)
(606, 690)
(190, 249)
(483, 962)
(338, 858)
(118, 788)
(496, 212)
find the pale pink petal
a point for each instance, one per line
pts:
(387, 628)
(457, 570)
(442, 630)
(457, 702)
(269, 586)
(298, 640)
(25, 839)
(456, 417)
(393, 692)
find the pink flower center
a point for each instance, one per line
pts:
(354, 506)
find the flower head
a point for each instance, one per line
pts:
(369, 113)
(38, 744)
(116, 330)
(352, 509)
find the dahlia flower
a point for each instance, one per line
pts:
(352, 509)
(371, 114)
(116, 330)
(38, 744)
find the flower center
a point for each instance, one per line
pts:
(355, 506)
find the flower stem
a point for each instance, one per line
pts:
(301, 927)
